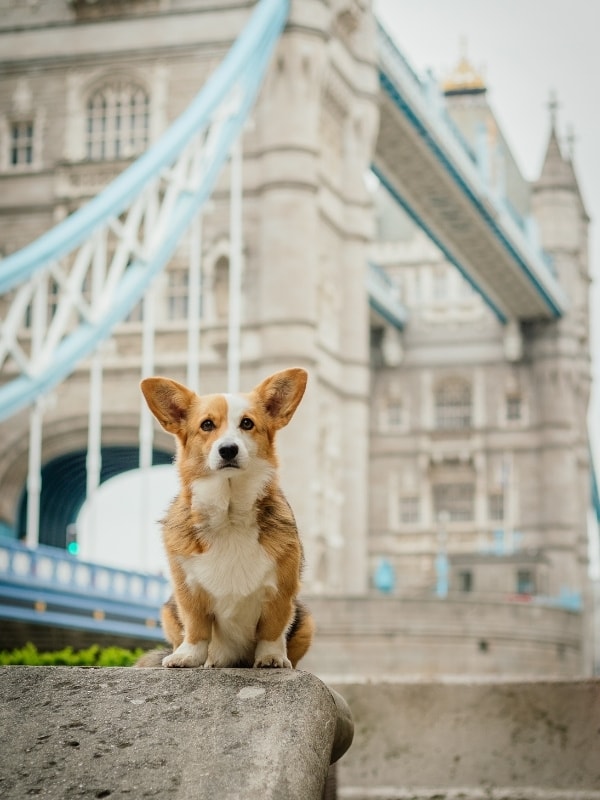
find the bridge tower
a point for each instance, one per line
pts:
(306, 222)
(308, 155)
(480, 441)
(560, 356)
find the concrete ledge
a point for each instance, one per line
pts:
(94, 733)
(473, 740)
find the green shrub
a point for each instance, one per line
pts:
(94, 656)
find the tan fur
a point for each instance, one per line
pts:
(197, 525)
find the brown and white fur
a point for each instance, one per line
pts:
(230, 536)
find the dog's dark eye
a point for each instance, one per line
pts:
(207, 425)
(246, 424)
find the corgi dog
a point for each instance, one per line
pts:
(230, 536)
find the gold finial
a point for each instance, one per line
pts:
(464, 79)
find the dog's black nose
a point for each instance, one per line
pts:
(228, 451)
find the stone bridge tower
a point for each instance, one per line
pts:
(315, 130)
(560, 353)
(307, 221)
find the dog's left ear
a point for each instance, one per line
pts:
(281, 393)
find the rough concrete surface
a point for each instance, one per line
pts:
(71, 732)
(473, 740)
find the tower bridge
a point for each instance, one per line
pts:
(242, 239)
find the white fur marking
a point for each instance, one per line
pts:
(234, 567)
(238, 573)
(236, 406)
(187, 655)
(272, 654)
(233, 435)
(228, 495)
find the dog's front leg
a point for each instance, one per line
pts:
(193, 611)
(271, 649)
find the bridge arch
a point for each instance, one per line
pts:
(64, 449)
(64, 488)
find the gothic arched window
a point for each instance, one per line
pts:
(453, 405)
(117, 121)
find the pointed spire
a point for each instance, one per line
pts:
(557, 170)
(553, 108)
(571, 139)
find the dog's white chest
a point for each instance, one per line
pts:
(234, 566)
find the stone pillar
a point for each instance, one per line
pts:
(307, 157)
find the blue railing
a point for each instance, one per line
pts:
(394, 61)
(47, 586)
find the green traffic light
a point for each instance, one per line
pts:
(73, 548)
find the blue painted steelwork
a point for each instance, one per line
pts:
(383, 297)
(448, 255)
(245, 64)
(46, 586)
(391, 89)
(243, 67)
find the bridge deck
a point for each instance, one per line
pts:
(48, 587)
(427, 168)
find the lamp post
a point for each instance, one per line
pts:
(441, 559)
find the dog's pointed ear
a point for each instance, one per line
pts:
(281, 393)
(168, 400)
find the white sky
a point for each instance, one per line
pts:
(526, 50)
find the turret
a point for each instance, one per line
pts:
(559, 208)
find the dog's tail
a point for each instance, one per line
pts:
(153, 658)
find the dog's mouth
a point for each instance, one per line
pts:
(229, 465)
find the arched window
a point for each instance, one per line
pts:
(453, 405)
(117, 121)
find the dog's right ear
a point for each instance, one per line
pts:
(168, 400)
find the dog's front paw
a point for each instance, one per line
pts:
(273, 660)
(187, 655)
(271, 654)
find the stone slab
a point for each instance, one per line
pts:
(71, 732)
(473, 740)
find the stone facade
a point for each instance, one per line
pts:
(479, 443)
(382, 637)
(303, 292)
